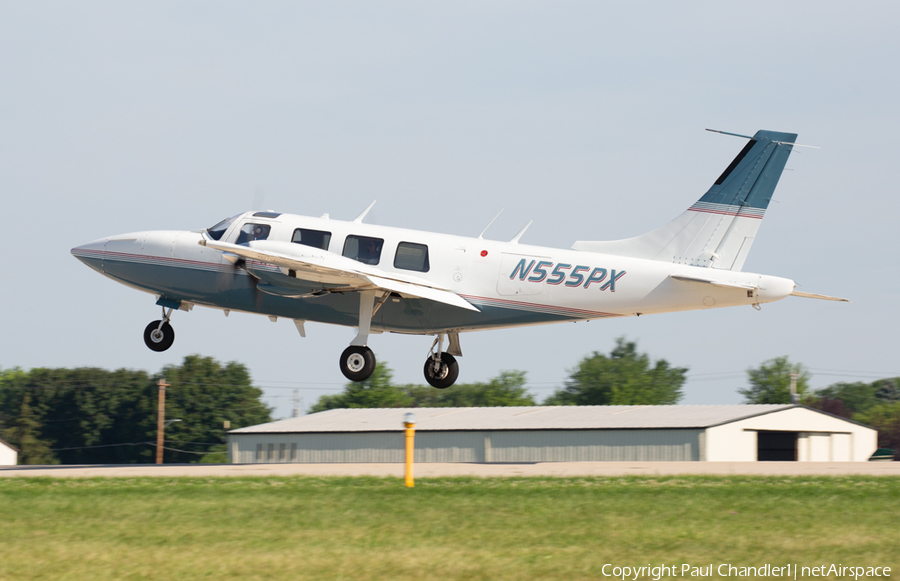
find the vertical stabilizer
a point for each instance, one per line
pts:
(718, 230)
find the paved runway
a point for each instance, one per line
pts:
(431, 470)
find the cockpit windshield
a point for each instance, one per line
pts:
(216, 232)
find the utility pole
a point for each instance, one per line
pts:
(794, 397)
(161, 420)
(298, 403)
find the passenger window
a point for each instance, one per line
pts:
(364, 249)
(253, 232)
(411, 256)
(314, 238)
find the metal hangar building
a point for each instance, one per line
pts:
(716, 433)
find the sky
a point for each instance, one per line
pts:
(586, 117)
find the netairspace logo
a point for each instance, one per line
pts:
(790, 571)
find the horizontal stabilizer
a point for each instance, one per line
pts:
(797, 293)
(712, 282)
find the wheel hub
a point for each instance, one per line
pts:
(356, 362)
(439, 370)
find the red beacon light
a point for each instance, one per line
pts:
(484, 253)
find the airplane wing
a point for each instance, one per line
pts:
(422, 292)
(326, 267)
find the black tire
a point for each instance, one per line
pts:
(444, 374)
(357, 363)
(159, 339)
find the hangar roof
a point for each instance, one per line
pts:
(518, 418)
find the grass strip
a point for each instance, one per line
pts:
(444, 528)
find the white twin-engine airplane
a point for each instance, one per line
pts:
(380, 279)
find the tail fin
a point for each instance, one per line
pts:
(719, 228)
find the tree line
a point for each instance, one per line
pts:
(96, 416)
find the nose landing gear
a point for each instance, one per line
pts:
(159, 335)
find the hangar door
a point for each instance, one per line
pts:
(776, 446)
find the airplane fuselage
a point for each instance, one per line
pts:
(378, 278)
(511, 284)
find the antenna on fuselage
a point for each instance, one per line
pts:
(481, 236)
(731, 134)
(359, 218)
(515, 239)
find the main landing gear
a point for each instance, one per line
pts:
(441, 368)
(358, 362)
(159, 335)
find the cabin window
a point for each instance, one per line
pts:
(314, 238)
(364, 249)
(216, 232)
(251, 232)
(411, 256)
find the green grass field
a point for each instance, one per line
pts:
(447, 528)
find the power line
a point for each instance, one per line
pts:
(142, 444)
(863, 374)
(91, 385)
(136, 413)
(189, 452)
(102, 446)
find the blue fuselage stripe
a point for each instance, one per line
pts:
(224, 286)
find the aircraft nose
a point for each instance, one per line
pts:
(91, 253)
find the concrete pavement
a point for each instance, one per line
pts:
(432, 470)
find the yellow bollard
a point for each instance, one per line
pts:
(409, 420)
